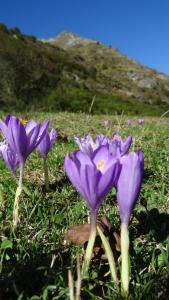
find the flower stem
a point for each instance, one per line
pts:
(125, 260)
(109, 254)
(17, 198)
(46, 174)
(71, 285)
(90, 245)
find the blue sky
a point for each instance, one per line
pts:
(138, 28)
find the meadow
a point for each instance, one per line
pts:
(35, 259)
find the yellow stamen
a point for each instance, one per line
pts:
(100, 164)
(23, 121)
(116, 137)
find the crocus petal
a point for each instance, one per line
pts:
(107, 181)
(119, 148)
(88, 182)
(43, 128)
(36, 135)
(9, 157)
(100, 154)
(52, 136)
(7, 119)
(40, 137)
(32, 139)
(101, 140)
(129, 184)
(102, 158)
(4, 129)
(82, 158)
(114, 149)
(116, 137)
(16, 137)
(78, 142)
(141, 159)
(85, 144)
(126, 145)
(30, 125)
(44, 146)
(74, 174)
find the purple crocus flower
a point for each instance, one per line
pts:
(47, 143)
(128, 189)
(106, 124)
(118, 147)
(129, 184)
(88, 146)
(9, 157)
(44, 147)
(140, 122)
(93, 177)
(101, 140)
(22, 139)
(129, 123)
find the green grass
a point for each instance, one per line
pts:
(35, 260)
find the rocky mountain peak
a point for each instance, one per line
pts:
(69, 39)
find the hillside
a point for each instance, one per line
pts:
(66, 72)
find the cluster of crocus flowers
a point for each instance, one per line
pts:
(138, 122)
(20, 140)
(117, 146)
(93, 172)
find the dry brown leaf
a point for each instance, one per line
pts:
(79, 235)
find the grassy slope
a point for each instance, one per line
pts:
(39, 261)
(35, 75)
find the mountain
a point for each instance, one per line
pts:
(68, 71)
(67, 40)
